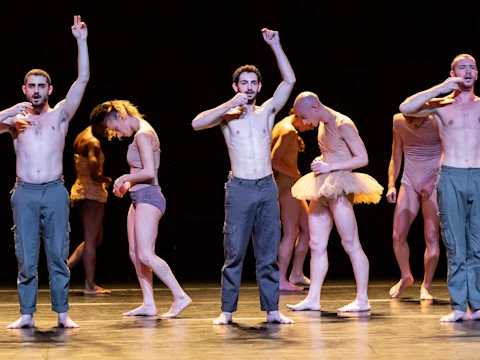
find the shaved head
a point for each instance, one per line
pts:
(306, 98)
(306, 107)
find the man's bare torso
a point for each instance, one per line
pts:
(459, 130)
(248, 139)
(39, 149)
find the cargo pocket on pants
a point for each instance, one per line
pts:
(228, 242)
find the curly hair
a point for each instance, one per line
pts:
(246, 68)
(112, 110)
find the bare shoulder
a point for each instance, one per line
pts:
(346, 127)
(284, 128)
(398, 120)
(398, 117)
(93, 142)
(149, 134)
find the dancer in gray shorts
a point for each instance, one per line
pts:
(457, 116)
(251, 199)
(122, 118)
(40, 202)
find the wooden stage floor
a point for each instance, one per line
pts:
(395, 329)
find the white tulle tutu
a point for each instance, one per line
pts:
(363, 187)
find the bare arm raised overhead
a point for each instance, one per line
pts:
(74, 96)
(426, 102)
(285, 88)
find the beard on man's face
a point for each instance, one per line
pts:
(37, 100)
(251, 97)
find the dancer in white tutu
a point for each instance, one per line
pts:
(332, 189)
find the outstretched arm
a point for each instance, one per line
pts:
(286, 86)
(278, 152)
(425, 103)
(75, 94)
(394, 167)
(214, 117)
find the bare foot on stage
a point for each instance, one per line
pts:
(355, 306)
(96, 290)
(177, 307)
(144, 310)
(25, 321)
(474, 314)
(278, 317)
(287, 286)
(299, 280)
(400, 287)
(425, 293)
(455, 315)
(225, 318)
(306, 305)
(64, 321)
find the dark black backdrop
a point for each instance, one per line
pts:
(175, 59)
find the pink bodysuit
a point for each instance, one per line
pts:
(422, 152)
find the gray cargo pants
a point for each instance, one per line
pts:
(251, 206)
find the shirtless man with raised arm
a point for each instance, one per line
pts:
(40, 201)
(251, 199)
(458, 186)
(417, 140)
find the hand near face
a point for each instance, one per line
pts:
(238, 100)
(79, 28)
(271, 37)
(451, 84)
(20, 109)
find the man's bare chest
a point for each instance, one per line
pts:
(460, 117)
(252, 127)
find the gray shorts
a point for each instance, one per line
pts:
(151, 194)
